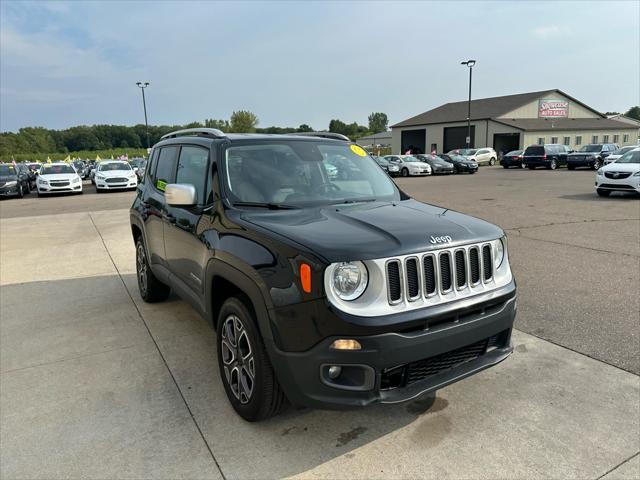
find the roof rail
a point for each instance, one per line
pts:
(332, 135)
(199, 132)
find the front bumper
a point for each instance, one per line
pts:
(581, 162)
(73, 187)
(629, 184)
(130, 183)
(9, 191)
(399, 364)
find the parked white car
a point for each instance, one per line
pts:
(114, 175)
(615, 155)
(623, 175)
(57, 178)
(409, 165)
(482, 156)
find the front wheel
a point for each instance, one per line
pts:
(151, 289)
(553, 165)
(405, 172)
(596, 164)
(492, 162)
(20, 191)
(522, 165)
(247, 375)
(603, 193)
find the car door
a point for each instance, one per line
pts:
(482, 155)
(163, 172)
(185, 251)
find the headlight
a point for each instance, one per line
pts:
(637, 174)
(11, 183)
(349, 280)
(76, 180)
(599, 172)
(498, 252)
(100, 177)
(42, 181)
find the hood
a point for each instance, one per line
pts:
(415, 164)
(621, 167)
(8, 178)
(58, 176)
(115, 173)
(373, 230)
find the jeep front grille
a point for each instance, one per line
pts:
(442, 273)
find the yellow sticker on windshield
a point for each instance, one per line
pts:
(160, 184)
(358, 150)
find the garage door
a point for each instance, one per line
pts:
(456, 137)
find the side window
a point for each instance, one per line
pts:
(166, 167)
(151, 165)
(193, 168)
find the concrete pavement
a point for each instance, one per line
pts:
(94, 383)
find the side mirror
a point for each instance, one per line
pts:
(135, 169)
(180, 195)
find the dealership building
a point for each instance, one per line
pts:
(513, 122)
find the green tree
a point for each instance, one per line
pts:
(219, 124)
(243, 121)
(378, 122)
(304, 128)
(633, 112)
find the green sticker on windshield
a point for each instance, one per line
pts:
(160, 184)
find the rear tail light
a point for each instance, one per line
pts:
(544, 157)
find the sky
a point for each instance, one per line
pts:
(77, 63)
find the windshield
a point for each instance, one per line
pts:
(7, 170)
(436, 160)
(381, 161)
(106, 167)
(78, 164)
(54, 169)
(623, 150)
(303, 173)
(630, 157)
(590, 148)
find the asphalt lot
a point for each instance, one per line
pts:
(94, 383)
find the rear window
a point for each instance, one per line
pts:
(534, 150)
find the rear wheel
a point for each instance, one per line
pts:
(531, 167)
(596, 164)
(571, 167)
(522, 165)
(151, 289)
(553, 164)
(20, 191)
(492, 161)
(247, 375)
(603, 193)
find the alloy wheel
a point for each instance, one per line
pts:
(237, 358)
(141, 268)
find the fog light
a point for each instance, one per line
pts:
(334, 371)
(346, 344)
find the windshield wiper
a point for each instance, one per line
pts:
(270, 206)
(353, 200)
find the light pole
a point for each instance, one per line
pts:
(470, 64)
(144, 105)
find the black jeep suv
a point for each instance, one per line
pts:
(326, 291)
(591, 156)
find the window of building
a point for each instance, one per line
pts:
(594, 139)
(578, 140)
(540, 140)
(625, 138)
(193, 167)
(567, 140)
(605, 139)
(434, 147)
(554, 140)
(616, 138)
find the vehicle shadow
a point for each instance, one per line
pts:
(593, 197)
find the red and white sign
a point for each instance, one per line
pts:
(553, 108)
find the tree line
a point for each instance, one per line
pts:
(39, 140)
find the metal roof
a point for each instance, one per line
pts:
(481, 109)
(565, 124)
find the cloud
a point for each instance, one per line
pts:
(548, 31)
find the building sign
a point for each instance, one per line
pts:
(553, 108)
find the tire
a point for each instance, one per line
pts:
(20, 191)
(492, 162)
(553, 164)
(571, 167)
(151, 289)
(603, 193)
(523, 166)
(405, 172)
(531, 167)
(505, 166)
(241, 352)
(596, 164)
